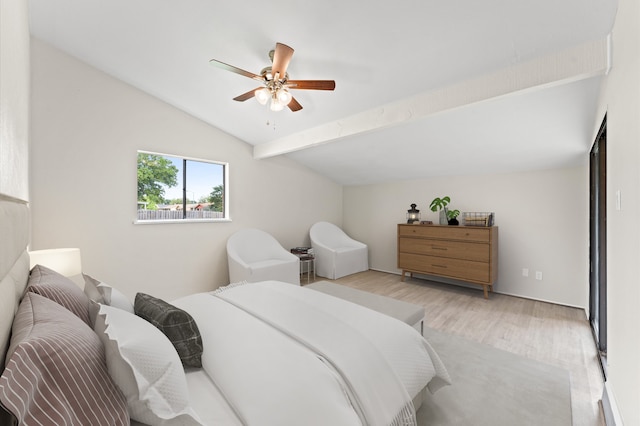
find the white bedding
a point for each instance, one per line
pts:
(258, 369)
(269, 373)
(206, 400)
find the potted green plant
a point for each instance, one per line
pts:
(452, 217)
(440, 204)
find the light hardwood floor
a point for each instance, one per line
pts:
(553, 334)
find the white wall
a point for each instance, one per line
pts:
(86, 130)
(621, 101)
(14, 99)
(542, 218)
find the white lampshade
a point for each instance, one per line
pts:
(66, 261)
(262, 95)
(276, 105)
(284, 97)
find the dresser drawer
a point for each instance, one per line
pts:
(446, 267)
(442, 248)
(464, 233)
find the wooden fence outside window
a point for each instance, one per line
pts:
(178, 214)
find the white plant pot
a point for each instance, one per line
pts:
(443, 216)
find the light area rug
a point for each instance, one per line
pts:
(494, 387)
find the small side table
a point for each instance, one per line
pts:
(308, 264)
(307, 261)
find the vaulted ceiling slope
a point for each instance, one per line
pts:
(423, 88)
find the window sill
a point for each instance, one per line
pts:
(176, 221)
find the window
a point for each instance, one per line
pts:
(172, 189)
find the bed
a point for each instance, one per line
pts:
(263, 353)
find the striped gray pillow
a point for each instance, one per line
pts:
(179, 327)
(56, 371)
(55, 286)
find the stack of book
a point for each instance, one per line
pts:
(304, 253)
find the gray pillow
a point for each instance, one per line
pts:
(179, 327)
(55, 286)
(56, 371)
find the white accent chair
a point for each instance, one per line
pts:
(337, 254)
(255, 255)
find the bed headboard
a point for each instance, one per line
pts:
(14, 264)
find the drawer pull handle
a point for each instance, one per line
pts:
(439, 266)
(439, 248)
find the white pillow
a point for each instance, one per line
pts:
(145, 366)
(105, 294)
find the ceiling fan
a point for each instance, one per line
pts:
(275, 80)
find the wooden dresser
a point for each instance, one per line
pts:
(465, 253)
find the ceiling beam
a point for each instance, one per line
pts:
(580, 62)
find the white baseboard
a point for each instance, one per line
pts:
(609, 407)
(475, 287)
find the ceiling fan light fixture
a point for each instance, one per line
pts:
(262, 95)
(283, 96)
(276, 105)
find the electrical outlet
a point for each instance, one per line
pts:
(525, 272)
(539, 275)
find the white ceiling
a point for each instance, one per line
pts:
(381, 55)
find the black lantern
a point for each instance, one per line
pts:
(413, 215)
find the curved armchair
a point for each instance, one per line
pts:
(255, 255)
(337, 254)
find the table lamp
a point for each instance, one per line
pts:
(413, 215)
(66, 261)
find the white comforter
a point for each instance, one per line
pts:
(284, 355)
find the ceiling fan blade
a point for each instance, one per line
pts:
(294, 105)
(236, 70)
(312, 84)
(281, 58)
(250, 94)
